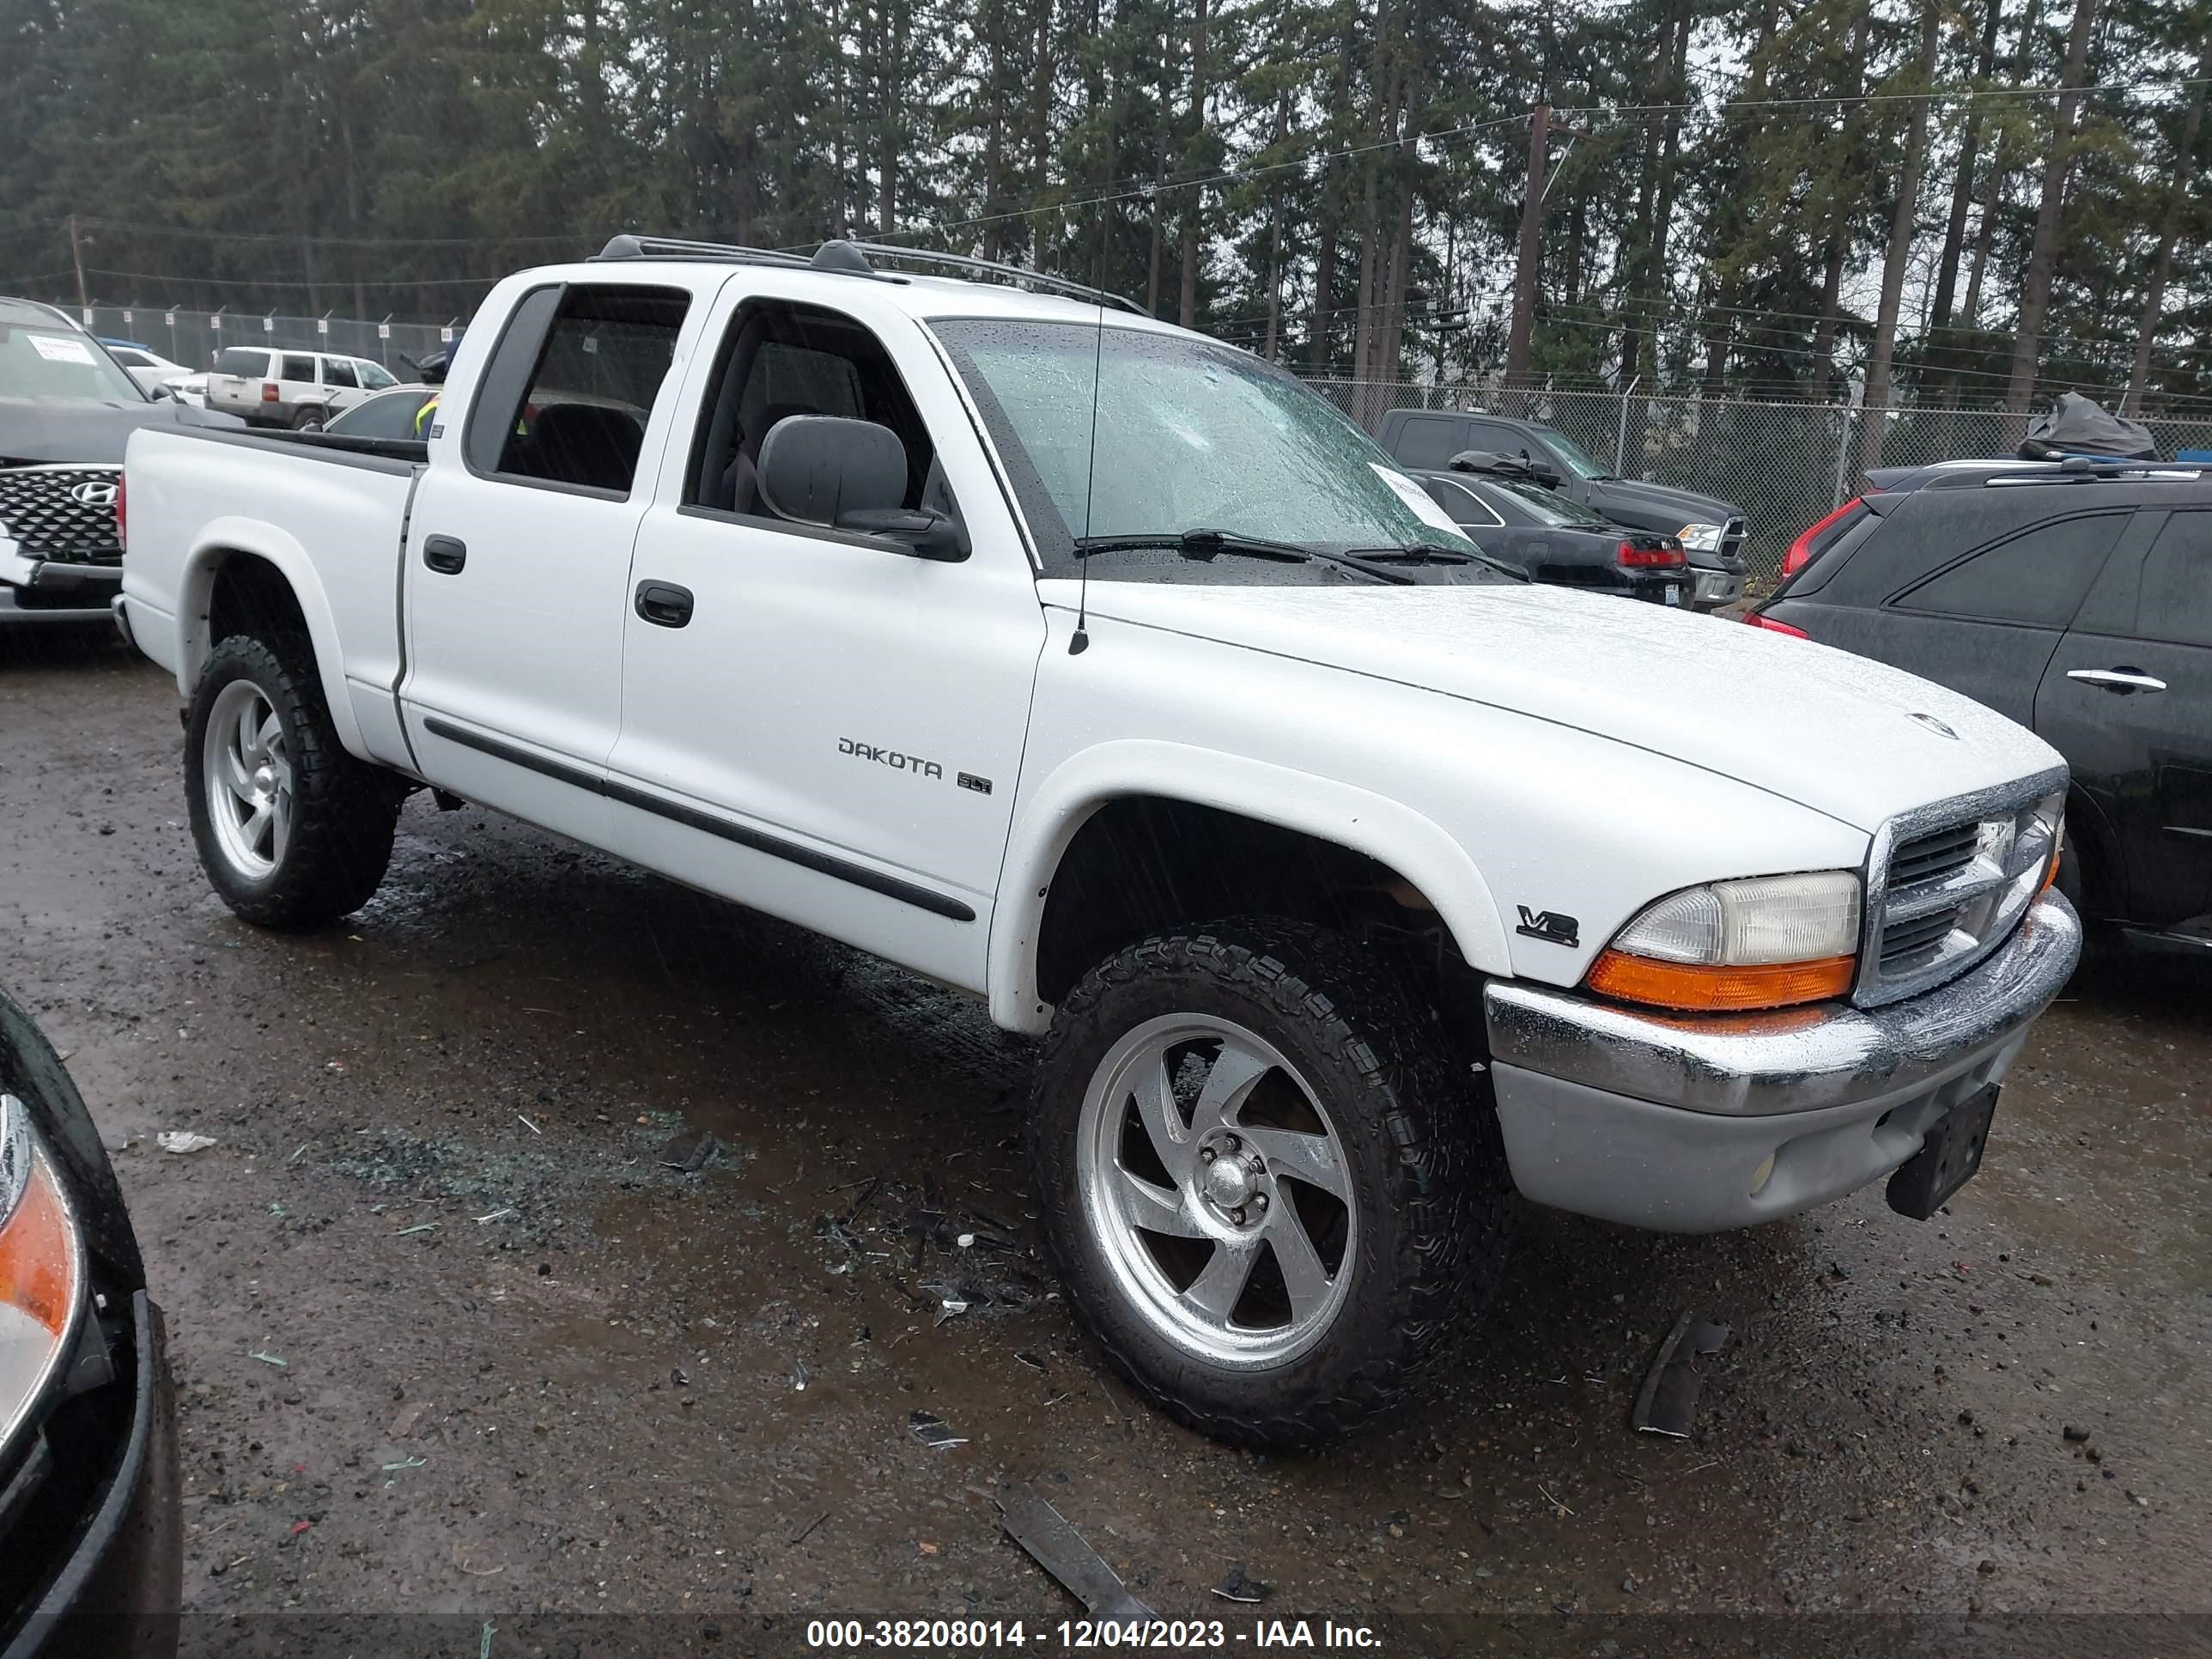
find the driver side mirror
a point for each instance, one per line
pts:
(839, 474)
(1543, 472)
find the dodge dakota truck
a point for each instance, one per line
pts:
(1099, 670)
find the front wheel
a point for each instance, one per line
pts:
(1264, 1188)
(292, 830)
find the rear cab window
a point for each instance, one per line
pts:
(565, 402)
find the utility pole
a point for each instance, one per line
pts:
(77, 256)
(1524, 265)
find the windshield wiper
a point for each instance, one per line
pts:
(1205, 545)
(1426, 553)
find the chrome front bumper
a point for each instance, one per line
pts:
(1713, 588)
(1694, 1125)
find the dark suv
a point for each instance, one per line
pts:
(2076, 598)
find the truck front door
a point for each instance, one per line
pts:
(814, 723)
(517, 552)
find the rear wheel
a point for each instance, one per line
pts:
(292, 830)
(308, 419)
(1265, 1190)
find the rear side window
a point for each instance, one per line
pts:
(1463, 504)
(2037, 578)
(578, 420)
(2177, 583)
(246, 361)
(298, 369)
(1429, 440)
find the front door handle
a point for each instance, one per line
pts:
(444, 554)
(664, 604)
(2122, 679)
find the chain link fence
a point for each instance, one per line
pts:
(193, 337)
(1785, 464)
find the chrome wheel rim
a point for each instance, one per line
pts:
(247, 776)
(1218, 1189)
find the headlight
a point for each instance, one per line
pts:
(1701, 537)
(1763, 943)
(41, 1269)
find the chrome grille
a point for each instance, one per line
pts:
(1732, 536)
(1946, 884)
(1934, 856)
(37, 513)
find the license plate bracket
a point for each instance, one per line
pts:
(1947, 1160)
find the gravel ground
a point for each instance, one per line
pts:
(452, 1340)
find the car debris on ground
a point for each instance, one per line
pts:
(1669, 1394)
(1060, 1551)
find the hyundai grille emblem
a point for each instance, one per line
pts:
(94, 494)
(1935, 726)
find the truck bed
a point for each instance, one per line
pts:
(195, 494)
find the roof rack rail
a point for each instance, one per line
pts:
(630, 246)
(961, 262)
(848, 258)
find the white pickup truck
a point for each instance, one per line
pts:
(1100, 670)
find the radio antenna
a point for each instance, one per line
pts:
(1079, 641)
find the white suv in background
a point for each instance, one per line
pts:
(265, 386)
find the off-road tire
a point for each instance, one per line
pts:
(1427, 1162)
(345, 810)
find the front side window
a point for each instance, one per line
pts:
(338, 372)
(1190, 435)
(579, 420)
(374, 376)
(2176, 582)
(779, 360)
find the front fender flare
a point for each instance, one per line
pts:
(1388, 831)
(221, 539)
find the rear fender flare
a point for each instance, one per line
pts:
(221, 540)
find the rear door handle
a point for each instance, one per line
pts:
(444, 554)
(664, 604)
(2122, 679)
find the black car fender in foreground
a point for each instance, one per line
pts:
(91, 1532)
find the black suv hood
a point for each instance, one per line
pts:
(61, 432)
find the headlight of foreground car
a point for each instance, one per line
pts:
(1701, 537)
(1763, 943)
(42, 1270)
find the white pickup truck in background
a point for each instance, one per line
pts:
(1102, 671)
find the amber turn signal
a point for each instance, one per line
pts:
(1700, 988)
(38, 1255)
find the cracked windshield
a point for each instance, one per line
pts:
(1191, 435)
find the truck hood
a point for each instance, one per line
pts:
(1660, 506)
(66, 431)
(1828, 730)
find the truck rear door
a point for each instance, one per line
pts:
(517, 565)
